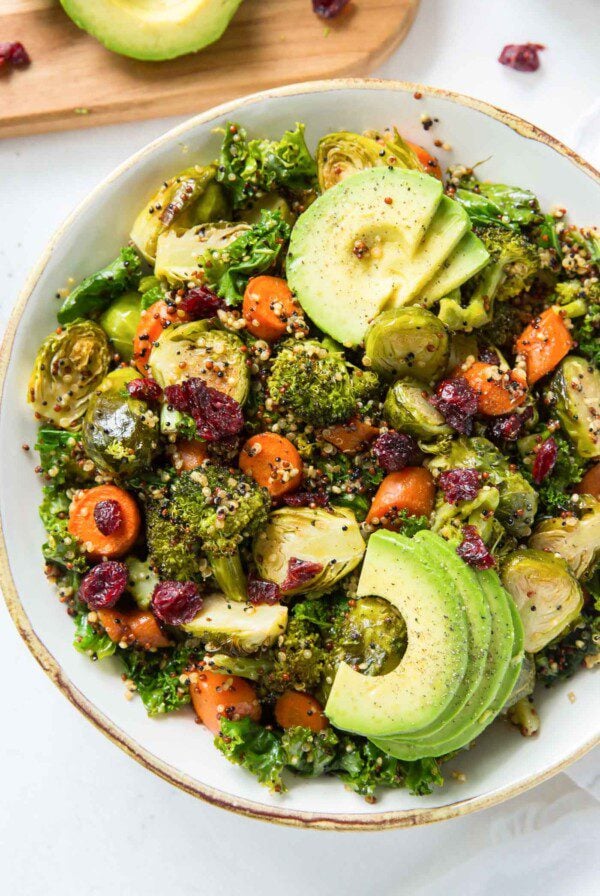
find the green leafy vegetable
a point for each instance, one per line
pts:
(61, 548)
(554, 493)
(255, 748)
(89, 640)
(510, 207)
(257, 250)
(156, 676)
(562, 658)
(99, 289)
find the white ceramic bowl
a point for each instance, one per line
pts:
(503, 763)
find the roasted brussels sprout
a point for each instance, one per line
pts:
(576, 540)
(546, 593)
(198, 349)
(370, 635)
(178, 252)
(177, 203)
(69, 365)
(120, 321)
(449, 519)
(407, 408)
(408, 342)
(238, 627)
(344, 153)
(329, 541)
(576, 388)
(518, 504)
(120, 434)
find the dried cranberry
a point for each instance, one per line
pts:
(509, 427)
(457, 403)
(545, 458)
(146, 389)
(108, 516)
(299, 572)
(307, 499)
(216, 414)
(261, 591)
(521, 57)
(328, 9)
(176, 602)
(396, 450)
(104, 584)
(13, 53)
(460, 484)
(473, 549)
(200, 302)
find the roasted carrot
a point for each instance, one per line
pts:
(498, 392)
(429, 162)
(350, 437)
(268, 305)
(273, 462)
(85, 517)
(152, 322)
(216, 696)
(411, 489)
(590, 484)
(296, 710)
(190, 454)
(133, 626)
(544, 343)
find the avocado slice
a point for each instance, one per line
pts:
(238, 626)
(349, 249)
(154, 29)
(466, 260)
(432, 669)
(463, 581)
(478, 710)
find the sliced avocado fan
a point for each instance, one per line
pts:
(375, 241)
(152, 29)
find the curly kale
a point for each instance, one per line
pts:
(157, 675)
(358, 763)
(61, 548)
(554, 493)
(562, 658)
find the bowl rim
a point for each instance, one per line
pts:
(281, 815)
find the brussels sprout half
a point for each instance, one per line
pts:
(344, 153)
(120, 322)
(576, 540)
(370, 636)
(178, 252)
(69, 366)
(119, 433)
(576, 387)
(191, 197)
(545, 592)
(331, 539)
(198, 349)
(238, 627)
(407, 409)
(408, 342)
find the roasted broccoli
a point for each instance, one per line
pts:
(220, 508)
(172, 550)
(314, 382)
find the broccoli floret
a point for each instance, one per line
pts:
(587, 333)
(313, 382)
(171, 549)
(298, 661)
(220, 508)
(571, 297)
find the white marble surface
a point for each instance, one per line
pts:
(76, 815)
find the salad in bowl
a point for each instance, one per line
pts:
(320, 452)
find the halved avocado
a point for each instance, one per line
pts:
(432, 669)
(480, 708)
(153, 29)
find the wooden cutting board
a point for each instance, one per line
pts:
(74, 81)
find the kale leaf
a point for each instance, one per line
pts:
(156, 676)
(61, 548)
(254, 747)
(100, 289)
(510, 207)
(563, 657)
(89, 640)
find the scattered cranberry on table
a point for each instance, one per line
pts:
(521, 57)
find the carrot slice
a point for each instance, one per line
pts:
(590, 484)
(429, 162)
(133, 626)
(152, 322)
(498, 392)
(411, 489)
(190, 454)
(544, 343)
(273, 462)
(350, 437)
(296, 710)
(216, 696)
(268, 305)
(83, 525)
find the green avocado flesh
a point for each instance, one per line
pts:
(502, 666)
(466, 260)
(422, 686)
(153, 29)
(373, 242)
